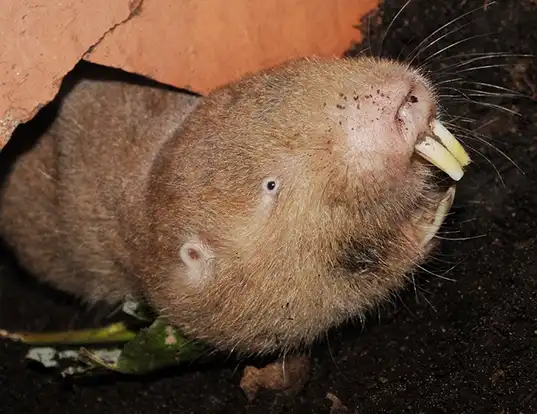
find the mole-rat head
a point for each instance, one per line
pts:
(297, 198)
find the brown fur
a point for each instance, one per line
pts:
(104, 202)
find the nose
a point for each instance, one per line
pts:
(416, 121)
(388, 116)
(414, 110)
(392, 120)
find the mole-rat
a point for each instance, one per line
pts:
(255, 218)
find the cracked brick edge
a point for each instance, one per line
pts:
(8, 123)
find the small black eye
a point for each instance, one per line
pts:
(271, 185)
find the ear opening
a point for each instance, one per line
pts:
(196, 257)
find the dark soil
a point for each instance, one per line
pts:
(467, 345)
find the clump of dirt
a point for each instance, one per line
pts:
(459, 341)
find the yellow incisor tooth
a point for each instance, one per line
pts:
(441, 212)
(438, 155)
(450, 142)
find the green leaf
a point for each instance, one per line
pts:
(157, 346)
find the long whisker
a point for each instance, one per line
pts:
(486, 124)
(428, 301)
(498, 107)
(404, 47)
(450, 97)
(479, 137)
(448, 81)
(453, 267)
(488, 160)
(439, 39)
(460, 64)
(484, 141)
(435, 274)
(448, 231)
(427, 60)
(480, 56)
(492, 66)
(460, 238)
(390, 26)
(489, 105)
(493, 86)
(510, 92)
(482, 93)
(472, 133)
(451, 88)
(416, 50)
(462, 119)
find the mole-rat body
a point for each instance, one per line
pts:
(255, 218)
